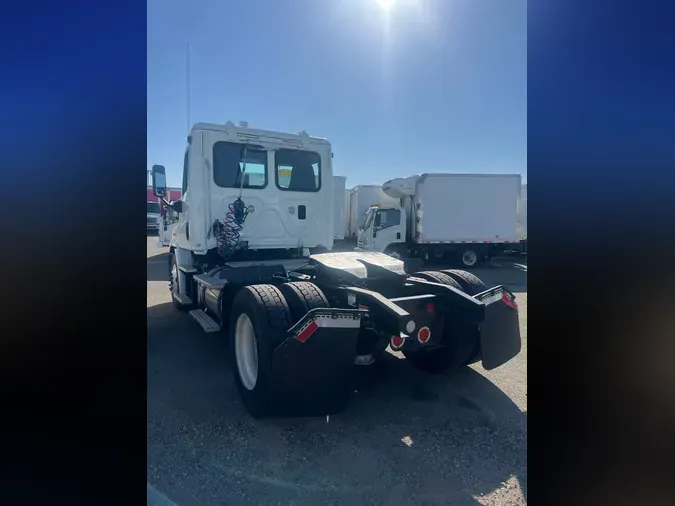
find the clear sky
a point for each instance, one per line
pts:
(421, 86)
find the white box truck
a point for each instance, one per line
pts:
(361, 199)
(522, 219)
(472, 217)
(346, 218)
(339, 204)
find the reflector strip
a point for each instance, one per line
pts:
(507, 300)
(343, 321)
(307, 331)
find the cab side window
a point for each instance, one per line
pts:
(389, 218)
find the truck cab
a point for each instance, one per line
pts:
(383, 229)
(285, 182)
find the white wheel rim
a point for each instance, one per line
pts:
(469, 258)
(174, 278)
(245, 349)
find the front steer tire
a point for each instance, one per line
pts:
(459, 346)
(174, 284)
(270, 317)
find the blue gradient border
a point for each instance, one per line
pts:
(601, 164)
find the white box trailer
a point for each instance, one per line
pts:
(472, 215)
(345, 223)
(363, 197)
(473, 208)
(522, 212)
(339, 188)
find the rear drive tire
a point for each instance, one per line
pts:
(259, 320)
(470, 283)
(460, 346)
(302, 296)
(438, 277)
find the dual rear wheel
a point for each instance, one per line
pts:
(460, 345)
(262, 314)
(259, 321)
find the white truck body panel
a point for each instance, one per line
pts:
(346, 216)
(275, 222)
(339, 203)
(466, 208)
(362, 197)
(522, 212)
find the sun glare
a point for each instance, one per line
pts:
(385, 4)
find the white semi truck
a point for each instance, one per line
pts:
(470, 216)
(248, 255)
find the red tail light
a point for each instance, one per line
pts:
(423, 335)
(396, 342)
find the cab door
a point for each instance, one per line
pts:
(387, 229)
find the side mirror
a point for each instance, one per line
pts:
(378, 219)
(177, 206)
(158, 181)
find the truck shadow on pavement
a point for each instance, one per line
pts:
(407, 437)
(158, 267)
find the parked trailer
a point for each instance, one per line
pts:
(298, 321)
(361, 199)
(470, 216)
(522, 219)
(347, 213)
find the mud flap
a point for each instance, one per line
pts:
(500, 330)
(312, 369)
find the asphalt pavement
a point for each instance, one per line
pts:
(408, 438)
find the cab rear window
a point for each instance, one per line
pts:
(228, 165)
(297, 170)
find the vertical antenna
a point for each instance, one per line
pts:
(187, 73)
